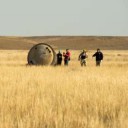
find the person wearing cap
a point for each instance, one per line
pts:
(82, 58)
(66, 57)
(99, 57)
(59, 58)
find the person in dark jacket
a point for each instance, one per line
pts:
(59, 58)
(99, 57)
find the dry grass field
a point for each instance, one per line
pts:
(64, 97)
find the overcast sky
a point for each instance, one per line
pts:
(63, 17)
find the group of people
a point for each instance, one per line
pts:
(82, 57)
(66, 56)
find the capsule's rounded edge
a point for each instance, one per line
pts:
(54, 60)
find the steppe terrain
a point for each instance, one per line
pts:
(63, 42)
(64, 97)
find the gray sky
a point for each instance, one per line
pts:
(63, 17)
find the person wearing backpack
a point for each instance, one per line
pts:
(66, 57)
(82, 58)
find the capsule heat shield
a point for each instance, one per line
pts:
(41, 54)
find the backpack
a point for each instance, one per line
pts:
(83, 56)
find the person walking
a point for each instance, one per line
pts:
(99, 57)
(82, 58)
(66, 57)
(59, 58)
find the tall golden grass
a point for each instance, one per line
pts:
(64, 97)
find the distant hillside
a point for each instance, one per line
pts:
(63, 42)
